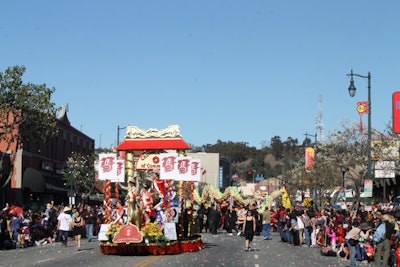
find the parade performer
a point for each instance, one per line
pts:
(131, 203)
(158, 184)
(118, 217)
(146, 198)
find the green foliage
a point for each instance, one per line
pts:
(80, 173)
(277, 147)
(26, 107)
(26, 113)
(235, 152)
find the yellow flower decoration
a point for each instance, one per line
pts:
(112, 230)
(152, 230)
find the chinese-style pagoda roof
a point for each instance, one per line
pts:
(153, 144)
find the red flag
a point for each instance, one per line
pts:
(204, 172)
(396, 112)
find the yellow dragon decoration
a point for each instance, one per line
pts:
(212, 194)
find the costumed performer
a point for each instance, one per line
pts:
(118, 217)
(159, 186)
(131, 202)
(146, 198)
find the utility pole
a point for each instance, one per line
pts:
(315, 136)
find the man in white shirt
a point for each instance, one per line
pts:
(64, 225)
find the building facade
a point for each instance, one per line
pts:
(37, 175)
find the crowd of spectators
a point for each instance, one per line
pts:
(349, 234)
(21, 228)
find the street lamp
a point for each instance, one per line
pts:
(344, 170)
(352, 92)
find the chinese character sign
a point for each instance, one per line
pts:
(177, 168)
(120, 170)
(184, 168)
(195, 170)
(107, 166)
(168, 166)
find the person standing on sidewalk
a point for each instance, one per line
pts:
(64, 225)
(90, 218)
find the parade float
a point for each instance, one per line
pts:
(154, 223)
(159, 197)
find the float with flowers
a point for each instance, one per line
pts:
(149, 216)
(153, 214)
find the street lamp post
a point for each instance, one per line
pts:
(344, 170)
(119, 128)
(352, 92)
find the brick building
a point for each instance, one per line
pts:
(38, 168)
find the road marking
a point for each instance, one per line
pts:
(255, 256)
(43, 260)
(256, 265)
(147, 261)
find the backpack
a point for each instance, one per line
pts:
(379, 234)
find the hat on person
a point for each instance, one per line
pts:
(365, 226)
(66, 209)
(385, 217)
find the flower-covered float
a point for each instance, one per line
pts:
(149, 218)
(128, 240)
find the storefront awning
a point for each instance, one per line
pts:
(38, 182)
(152, 144)
(55, 184)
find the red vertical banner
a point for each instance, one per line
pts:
(309, 157)
(396, 112)
(362, 108)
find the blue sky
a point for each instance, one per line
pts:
(241, 71)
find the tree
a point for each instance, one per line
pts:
(277, 147)
(80, 174)
(346, 147)
(26, 113)
(236, 152)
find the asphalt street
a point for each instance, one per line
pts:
(220, 250)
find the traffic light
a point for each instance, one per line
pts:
(249, 174)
